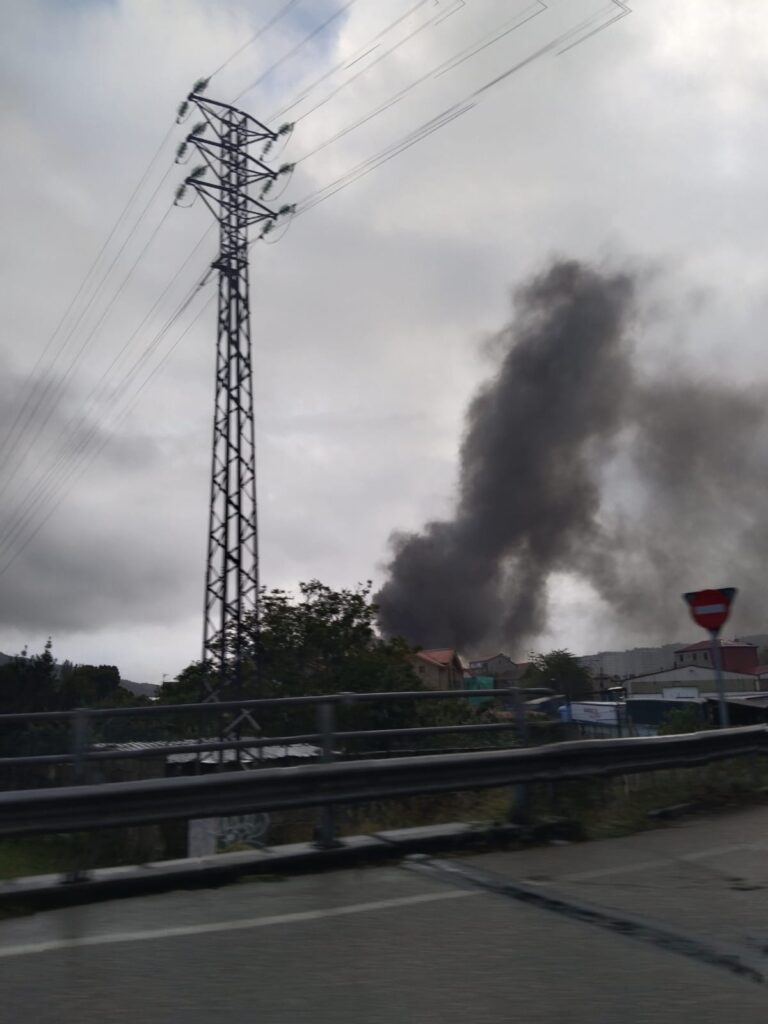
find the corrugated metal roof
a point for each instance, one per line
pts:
(686, 673)
(255, 754)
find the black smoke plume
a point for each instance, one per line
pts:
(572, 461)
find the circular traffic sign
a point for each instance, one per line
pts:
(710, 608)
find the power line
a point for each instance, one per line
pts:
(364, 50)
(383, 56)
(41, 388)
(83, 284)
(389, 152)
(76, 421)
(33, 382)
(299, 46)
(7, 565)
(446, 116)
(80, 449)
(434, 71)
(38, 495)
(58, 386)
(285, 9)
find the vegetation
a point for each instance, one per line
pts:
(680, 720)
(30, 683)
(560, 670)
(324, 641)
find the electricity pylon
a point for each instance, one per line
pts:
(227, 182)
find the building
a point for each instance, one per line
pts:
(497, 665)
(689, 681)
(442, 668)
(735, 655)
(504, 671)
(625, 664)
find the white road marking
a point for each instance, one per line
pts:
(232, 926)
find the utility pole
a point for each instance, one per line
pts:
(228, 182)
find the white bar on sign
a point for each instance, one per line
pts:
(710, 609)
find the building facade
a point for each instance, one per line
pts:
(440, 669)
(689, 681)
(735, 655)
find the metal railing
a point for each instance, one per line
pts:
(82, 720)
(83, 755)
(84, 807)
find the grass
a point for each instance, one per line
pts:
(623, 805)
(49, 855)
(59, 854)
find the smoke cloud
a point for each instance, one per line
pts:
(574, 461)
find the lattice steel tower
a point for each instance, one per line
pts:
(224, 139)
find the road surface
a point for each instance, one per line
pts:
(666, 926)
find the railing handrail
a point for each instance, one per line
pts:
(157, 748)
(76, 808)
(217, 707)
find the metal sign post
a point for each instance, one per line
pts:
(710, 609)
(717, 662)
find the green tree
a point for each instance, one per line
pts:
(30, 683)
(89, 685)
(560, 671)
(321, 641)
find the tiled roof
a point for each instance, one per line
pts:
(442, 656)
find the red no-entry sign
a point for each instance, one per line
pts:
(710, 608)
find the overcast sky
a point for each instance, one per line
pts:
(642, 146)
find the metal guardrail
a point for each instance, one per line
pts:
(81, 720)
(217, 707)
(77, 808)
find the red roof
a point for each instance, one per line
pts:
(704, 645)
(442, 656)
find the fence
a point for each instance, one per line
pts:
(326, 784)
(76, 808)
(81, 721)
(83, 755)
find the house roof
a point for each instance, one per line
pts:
(704, 645)
(442, 656)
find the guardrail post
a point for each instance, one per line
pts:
(325, 830)
(521, 806)
(79, 744)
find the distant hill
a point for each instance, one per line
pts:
(150, 690)
(141, 689)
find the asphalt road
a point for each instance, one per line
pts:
(667, 926)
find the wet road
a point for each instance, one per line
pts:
(419, 943)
